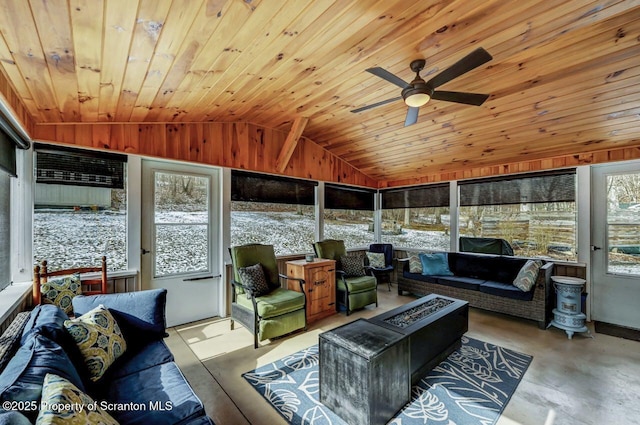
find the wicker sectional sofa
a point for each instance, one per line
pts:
(484, 281)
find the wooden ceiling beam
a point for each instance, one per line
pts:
(290, 143)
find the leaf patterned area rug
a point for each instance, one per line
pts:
(472, 386)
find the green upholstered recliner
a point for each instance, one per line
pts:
(353, 292)
(277, 313)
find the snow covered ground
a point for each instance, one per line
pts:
(79, 238)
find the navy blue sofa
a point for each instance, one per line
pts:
(485, 281)
(145, 375)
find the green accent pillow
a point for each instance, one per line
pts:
(527, 275)
(60, 291)
(353, 265)
(415, 265)
(254, 277)
(99, 338)
(63, 403)
(436, 264)
(376, 259)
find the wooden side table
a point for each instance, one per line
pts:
(320, 285)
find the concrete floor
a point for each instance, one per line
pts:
(579, 381)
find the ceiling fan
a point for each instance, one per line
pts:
(418, 92)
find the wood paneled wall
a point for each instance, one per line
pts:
(234, 145)
(9, 97)
(251, 147)
(565, 161)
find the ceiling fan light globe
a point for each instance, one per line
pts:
(417, 99)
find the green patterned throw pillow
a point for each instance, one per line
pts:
(99, 338)
(60, 291)
(527, 275)
(376, 259)
(63, 403)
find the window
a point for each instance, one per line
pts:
(272, 210)
(417, 217)
(181, 223)
(348, 215)
(80, 208)
(9, 140)
(623, 224)
(535, 213)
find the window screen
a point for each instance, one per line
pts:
(68, 166)
(252, 187)
(520, 189)
(435, 195)
(347, 198)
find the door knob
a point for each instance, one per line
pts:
(144, 251)
(595, 248)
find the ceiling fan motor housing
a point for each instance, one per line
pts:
(417, 87)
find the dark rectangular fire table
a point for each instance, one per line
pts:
(367, 367)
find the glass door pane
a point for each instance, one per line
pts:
(181, 223)
(623, 224)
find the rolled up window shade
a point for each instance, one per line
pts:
(433, 195)
(340, 197)
(255, 187)
(7, 155)
(77, 167)
(556, 186)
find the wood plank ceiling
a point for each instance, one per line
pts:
(564, 79)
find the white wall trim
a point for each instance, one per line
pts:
(583, 225)
(134, 213)
(21, 217)
(453, 216)
(377, 216)
(225, 236)
(319, 230)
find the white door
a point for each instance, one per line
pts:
(615, 244)
(180, 225)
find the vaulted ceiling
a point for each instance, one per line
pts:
(564, 79)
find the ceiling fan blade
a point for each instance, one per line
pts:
(375, 105)
(386, 75)
(464, 65)
(412, 116)
(460, 97)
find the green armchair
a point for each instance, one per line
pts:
(279, 311)
(353, 292)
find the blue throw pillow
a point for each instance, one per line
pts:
(436, 264)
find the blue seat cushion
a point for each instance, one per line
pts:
(505, 290)
(421, 277)
(133, 361)
(382, 269)
(202, 420)
(461, 282)
(162, 389)
(23, 377)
